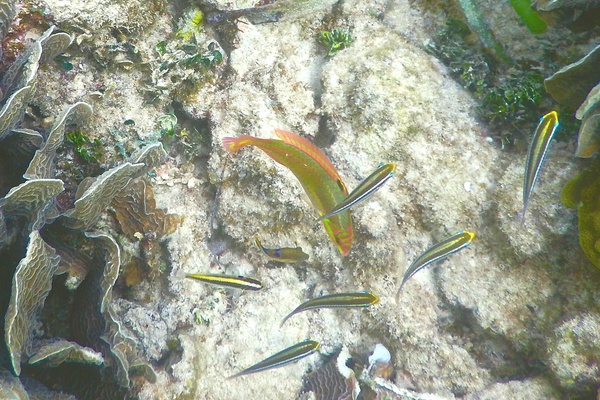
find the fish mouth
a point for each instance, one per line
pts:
(341, 237)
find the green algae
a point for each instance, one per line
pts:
(191, 24)
(509, 94)
(335, 40)
(583, 194)
(479, 26)
(529, 16)
(89, 150)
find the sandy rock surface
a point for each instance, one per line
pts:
(514, 315)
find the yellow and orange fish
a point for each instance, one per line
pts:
(316, 174)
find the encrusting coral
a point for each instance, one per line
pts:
(583, 194)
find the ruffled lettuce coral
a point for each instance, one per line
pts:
(583, 194)
(70, 334)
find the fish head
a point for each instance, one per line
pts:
(341, 234)
(374, 298)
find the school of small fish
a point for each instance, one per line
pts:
(329, 196)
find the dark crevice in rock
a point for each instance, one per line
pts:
(173, 354)
(219, 241)
(163, 292)
(84, 381)
(12, 167)
(58, 309)
(9, 259)
(196, 144)
(492, 351)
(325, 136)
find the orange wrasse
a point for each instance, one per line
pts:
(315, 173)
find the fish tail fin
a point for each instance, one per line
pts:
(342, 238)
(258, 243)
(524, 211)
(287, 317)
(235, 376)
(234, 144)
(404, 279)
(398, 293)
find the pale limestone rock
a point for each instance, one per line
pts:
(575, 350)
(530, 389)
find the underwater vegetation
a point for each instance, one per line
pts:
(134, 220)
(187, 59)
(582, 193)
(478, 24)
(529, 16)
(511, 94)
(508, 96)
(335, 40)
(511, 91)
(577, 87)
(90, 150)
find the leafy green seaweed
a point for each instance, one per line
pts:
(89, 150)
(529, 16)
(336, 40)
(509, 94)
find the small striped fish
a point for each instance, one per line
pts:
(232, 281)
(284, 254)
(337, 300)
(289, 355)
(437, 252)
(537, 152)
(364, 190)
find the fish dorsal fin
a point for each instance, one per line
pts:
(314, 152)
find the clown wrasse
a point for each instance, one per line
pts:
(315, 173)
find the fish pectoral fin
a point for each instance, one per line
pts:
(321, 218)
(306, 199)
